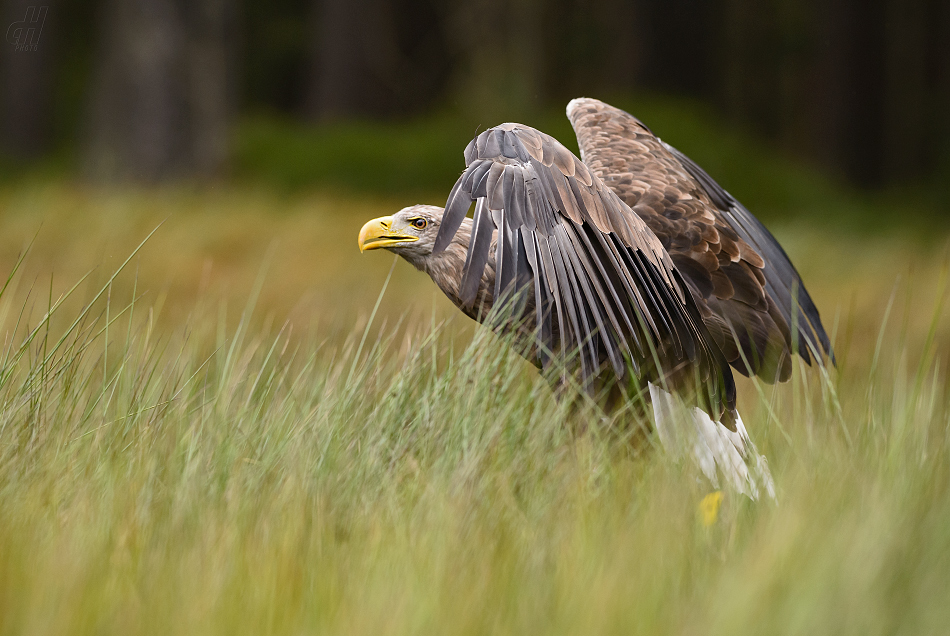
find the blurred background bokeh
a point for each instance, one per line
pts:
(264, 134)
(162, 89)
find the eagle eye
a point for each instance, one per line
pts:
(419, 223)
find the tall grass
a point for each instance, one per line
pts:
(231, 478)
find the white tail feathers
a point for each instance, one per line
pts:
(715, 449)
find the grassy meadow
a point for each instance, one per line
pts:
(235, 429)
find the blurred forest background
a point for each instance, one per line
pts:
(267, 133)
(159, 90)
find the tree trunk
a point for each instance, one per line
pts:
(357, 64)
(499, 48)
(341, 72)
(26, 71)
(375, 58)
(160, 103)
(940, 94)
(210, 83)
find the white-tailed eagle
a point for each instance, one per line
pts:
(629, 270)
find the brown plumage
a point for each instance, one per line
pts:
(743, 282)
(627, 268)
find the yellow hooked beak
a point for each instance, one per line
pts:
(380, 233)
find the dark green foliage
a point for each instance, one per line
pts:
(423, 158)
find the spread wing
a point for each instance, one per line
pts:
(600, 284)
(747, 289)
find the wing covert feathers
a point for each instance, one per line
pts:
(599, 289)
(746, 288)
